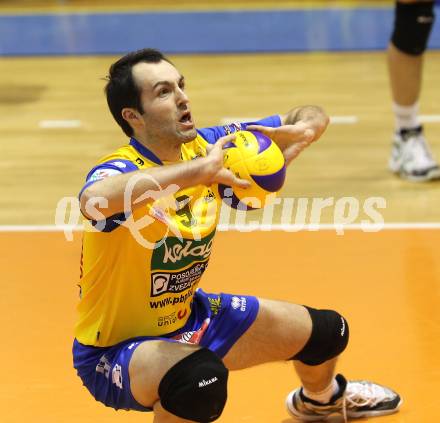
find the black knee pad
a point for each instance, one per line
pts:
(412, 26)
(196, 387)
(328, 339)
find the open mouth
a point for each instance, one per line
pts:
(186, 118)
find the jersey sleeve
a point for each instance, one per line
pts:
(107, 169)
(213, 133)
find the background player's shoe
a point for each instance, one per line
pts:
(355, 399)
(411, 157)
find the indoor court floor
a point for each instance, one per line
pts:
(386, 282)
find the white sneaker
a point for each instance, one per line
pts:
(355, 399)
(411, 157)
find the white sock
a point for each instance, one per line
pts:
(324, 395)
(406, 116)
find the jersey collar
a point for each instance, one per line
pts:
(145, 151)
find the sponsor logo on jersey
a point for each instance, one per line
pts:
(172, 301)
(176, 282)
(210, 196)
(174, 253)
(233, 127)
(121, 165)
(193, 336)
(159, 283)
(172, 318)
(167, 320)
(117, 376)
(238, 303)
(189, 249)
(215, 305)
(182, 313)
(104, 366)
(99, 174)
(176, 268)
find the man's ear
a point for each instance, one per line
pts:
(132, 116)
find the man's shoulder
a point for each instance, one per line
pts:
(126, 152)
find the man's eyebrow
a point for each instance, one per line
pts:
(181, 80)
(161, 83)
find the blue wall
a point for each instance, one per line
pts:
(199, 32)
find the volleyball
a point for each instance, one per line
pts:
(256, 158)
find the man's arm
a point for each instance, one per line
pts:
(313, 117)
(299, 128)
(106, 196)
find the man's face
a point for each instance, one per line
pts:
(167, 114)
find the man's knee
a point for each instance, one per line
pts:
(412, 26)
(196, 387)
(328, 339)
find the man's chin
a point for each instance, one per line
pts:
(188, 136)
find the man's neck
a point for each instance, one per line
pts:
(166, 153)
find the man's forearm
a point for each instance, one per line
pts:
(112, 189)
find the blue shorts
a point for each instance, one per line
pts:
(217, 321)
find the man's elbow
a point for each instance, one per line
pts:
(321, 121)
(324, 121)
(93, 204)
(84, 202)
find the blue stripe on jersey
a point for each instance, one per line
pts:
(112, 222)
(213, 133)
(129, 167)
(115, 164)
(145, 151)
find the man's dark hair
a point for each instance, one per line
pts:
(121, 89)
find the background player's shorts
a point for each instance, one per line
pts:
(217, 321)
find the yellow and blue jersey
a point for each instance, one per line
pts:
(140, 269)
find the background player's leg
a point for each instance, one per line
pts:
(405, 69)
(411, 157)
(405, 76)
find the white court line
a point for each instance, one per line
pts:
(40, 228)
(367, 227)
(54, 124)
(249, 227)
(336, 120)
(429, 118)
(344, 120)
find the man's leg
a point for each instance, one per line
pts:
(163, 416)
(313, 339)
(167, 377)
(280, 331)
(411, 157)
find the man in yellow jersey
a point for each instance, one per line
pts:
(146, 338)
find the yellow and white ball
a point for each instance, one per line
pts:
(256, 158)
